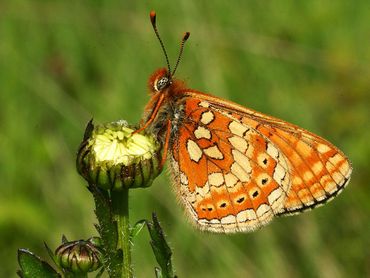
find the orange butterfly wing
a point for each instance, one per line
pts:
(236, 168)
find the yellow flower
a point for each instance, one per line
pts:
(113, 157)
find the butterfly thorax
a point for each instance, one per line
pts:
(165, 103)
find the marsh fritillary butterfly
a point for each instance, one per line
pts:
(233, 168)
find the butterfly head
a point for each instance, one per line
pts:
(162, 83)
(160, 80)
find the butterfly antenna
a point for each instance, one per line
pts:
(184, 39)
(153, 16)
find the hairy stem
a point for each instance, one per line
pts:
(121, 215)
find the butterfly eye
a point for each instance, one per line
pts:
(162, 83)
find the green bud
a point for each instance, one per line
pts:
(80, 256)
(112, 157)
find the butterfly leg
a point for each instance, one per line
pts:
(153, 115)
(166, 143)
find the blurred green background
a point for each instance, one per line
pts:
(63, 62)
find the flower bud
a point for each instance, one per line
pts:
(80, 256)
(112, 157)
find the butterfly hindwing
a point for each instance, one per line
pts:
(230, 176)
(237, 168)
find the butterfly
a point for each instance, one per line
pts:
(234, 168)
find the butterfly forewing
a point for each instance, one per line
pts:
(237, 168)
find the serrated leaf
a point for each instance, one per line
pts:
(137, 228)
(160, 248)
(100, 273)
(112, 258)
(106, 227)
(116, 261)
(32, 266)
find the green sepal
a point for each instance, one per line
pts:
(88, 130)
(51, 254)
(160, 248)
(64, 239)
(32, 266)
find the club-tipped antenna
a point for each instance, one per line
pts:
(153, 16)
(184, 39)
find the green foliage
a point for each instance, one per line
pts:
(107, 230)
(160, 248)
(136, 229)
(32, 266)
(62, 62)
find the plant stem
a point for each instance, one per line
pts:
(121, 215)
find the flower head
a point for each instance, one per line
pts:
(80, 256)
(112, 156)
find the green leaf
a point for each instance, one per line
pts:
(106, 227)
(32, 266)
(100, 273)
(115, 266)
(160, 248)
(112, 258)
(158, 272)
(137, 228)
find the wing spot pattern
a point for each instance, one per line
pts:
(317, 167)
(262, 210)
(239, 172)
(240, 199)
(230, 180)
(183, 179)
(207, 117)
(239, 143)
(246, 215)
(254, 192)
(202, 191)
(263, 160)
(204, 104)
(202, 132)
(194, 151)
(237, 128)
(322, 148)
(275, 196)
(214, 152)
(230, 219)
(216, 179)
(272, 151)
(243, 162)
